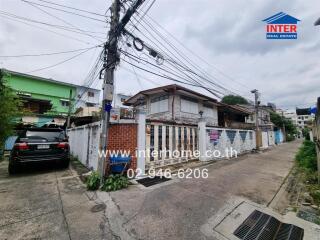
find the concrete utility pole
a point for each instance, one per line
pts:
(256, 106)
(111, 59)
(70, 108)
(317, 131)
(284, 128)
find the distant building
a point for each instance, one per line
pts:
(291, 115)
(87, 97)
(45, 100)
(304, 117)
(120, 99)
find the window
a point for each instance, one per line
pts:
(90, 94)
(208, 112)
(89, 104)
(189, 106)
(64, 103)
(159, 104)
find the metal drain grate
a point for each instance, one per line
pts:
(147, 182)
(261, 226)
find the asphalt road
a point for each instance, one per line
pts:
(179, 209)
(48, 203)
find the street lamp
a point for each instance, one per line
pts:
(317, 23)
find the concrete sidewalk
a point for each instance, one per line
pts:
(49, 204)
(179, 208)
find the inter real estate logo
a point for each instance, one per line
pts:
(281, 26)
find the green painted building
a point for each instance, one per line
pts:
(46, 100)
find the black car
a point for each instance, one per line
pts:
(40, 145)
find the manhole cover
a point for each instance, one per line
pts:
(262, 226)
(98, 208)
(147, 182)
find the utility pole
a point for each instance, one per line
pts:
(317, 131)
(70, 108)
(111, 59)
(284, 128)
(256, 106)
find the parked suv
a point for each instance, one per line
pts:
(40, 145)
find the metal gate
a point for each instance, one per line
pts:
(170, 144)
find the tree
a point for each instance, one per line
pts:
(9, 108)
(233, 100)
(281, 121)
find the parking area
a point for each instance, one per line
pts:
(46, 202)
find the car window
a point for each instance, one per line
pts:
(49, 135)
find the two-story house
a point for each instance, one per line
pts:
(175, 104)
(45, 100)
(173, 113)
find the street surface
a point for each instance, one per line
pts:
(178, 210)
(53, 204)
(48, 204)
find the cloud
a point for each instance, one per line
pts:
(230, 35)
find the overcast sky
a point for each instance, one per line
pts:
(229, 35)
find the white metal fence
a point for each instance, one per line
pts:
(84, 144)
(169, 139)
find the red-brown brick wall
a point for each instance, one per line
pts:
(124, 137)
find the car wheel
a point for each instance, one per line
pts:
(12, 169)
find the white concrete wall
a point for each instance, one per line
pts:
(271, 136)
(265, 139)
(84, 144)
(222, 138)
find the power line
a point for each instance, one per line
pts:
(61, 62)
(142, 77)
(73, 13)
(181, 65)
(188, 60)
(167, 77)
(64, 21)
(199, 57)
(77, 9)
(65, 28)
(43, 54)
(44, 29)
(144, 13)
(174, 74)
(177, 58)
(165, 39)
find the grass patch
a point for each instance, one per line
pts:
(306, 160)
(307, 156)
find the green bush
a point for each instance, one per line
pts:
(93, 181)
(115, 182)
(290, 137)
(10, 108)
(307, 156)
(306, 134)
